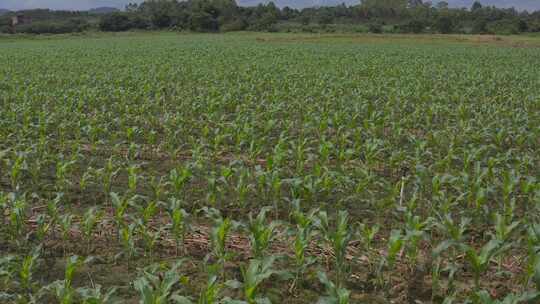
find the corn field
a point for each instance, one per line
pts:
(253, 168)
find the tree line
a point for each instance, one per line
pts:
(376, 16)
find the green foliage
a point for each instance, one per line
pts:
(404, 16)
(338, 239)
(335, 294)
(109, 145)
(479, 260)
(444, 25)
(218, 237)
(63, 290)
(156, 284)
(210, 294)
(253, 276)
(180, 222)
(261, 233)
(118, 22)
(54, 27)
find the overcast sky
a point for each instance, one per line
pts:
(62, 4)
(88, 4)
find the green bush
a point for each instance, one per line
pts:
(480, 26)
(504, 27)
(115, 22)
(413, 26)
(204, 22)
(534, 26)
(444, 25)
(53, 27)
(375, 27)
(234, 25)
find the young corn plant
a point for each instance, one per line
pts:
(214, 189)
(504, 228)
(107, 174)
(53, 212)
(261, 233)
(396, 242)
(483, 297)
(133, 178)
(156, 284)
(63, 168)
(503, 232)
(7, 276)
(17, 277)
(90, 220)
(338, 239)
(454, 237)
(120, 207)
(63, 290)
(253, 276)
(127, 239)
(453, 232)
(366, 234)
(27, 270)
(35, 170)
(179, 224)
(209, 295)
(158, 186)
(66, 223)
(17, 168)
(334, 294)
(304, 233)
(44, 225)
(17, 218)
(479, 260)
(95, 295)
(414, 233)
(146, 211)
(149, 234)
(4, 207)
(178, 178)
(533, 258)
(242, 188)
(218, 238)
(86, 179)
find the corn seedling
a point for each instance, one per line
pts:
(156, 285)
(95, 295)
(209, 295)
(338, 239)
(90, 220)
(479, 260)
(63, 290)
(179, 225)
(261, 233)
(303, 235)
(66, 223)
(334, 294)
(218, 238)
(127, 239)
(253, 276)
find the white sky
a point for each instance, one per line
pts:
(88, 4)
(62, 4)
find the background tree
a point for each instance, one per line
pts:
(444, 24)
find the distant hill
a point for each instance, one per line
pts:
(298, 3)
(530, 5)
(103, 10)
(4, 11)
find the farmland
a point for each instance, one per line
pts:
(257, 168)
